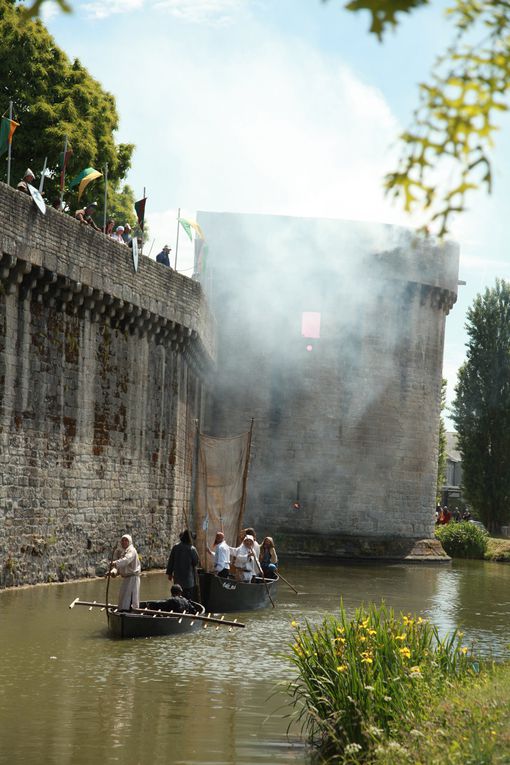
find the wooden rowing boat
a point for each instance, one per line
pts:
(221, 595)
(128, 624)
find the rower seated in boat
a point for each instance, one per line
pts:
(268, 558)
(178, 603)
(245, 561)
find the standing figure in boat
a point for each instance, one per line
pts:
(221, 554)
(129, 568)
(245, 559)
(251, 532)
(182, 565)
(268, 558)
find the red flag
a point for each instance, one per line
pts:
(64, 158)
(140, 211)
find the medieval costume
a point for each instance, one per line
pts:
(129, 568)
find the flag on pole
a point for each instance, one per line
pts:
(83, 179)
(189, 225)
(7, 129)
(63, 160)
(140, 211)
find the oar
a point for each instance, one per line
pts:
(154, 612)
(265, 583)
(108, 577)
(287, 582)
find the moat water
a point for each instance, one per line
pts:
(69, 694)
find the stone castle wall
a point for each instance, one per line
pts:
(101, 373)
(344, 458)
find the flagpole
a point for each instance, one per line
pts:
(10, 147)
(63, 176)
(105, 195)
(177, 239)
(43, 175)
(143, 232)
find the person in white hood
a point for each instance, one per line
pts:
(129, 568)
(246, 559)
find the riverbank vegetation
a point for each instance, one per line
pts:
(467, 727)
(498, 550)
(363, 684)
(463, 540)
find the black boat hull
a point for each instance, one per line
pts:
(228, 595)
(125, 624)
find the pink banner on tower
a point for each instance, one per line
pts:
(311, 324)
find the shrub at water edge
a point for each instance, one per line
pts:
(463, 540)
(361, 678)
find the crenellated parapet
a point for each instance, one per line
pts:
(55, 260)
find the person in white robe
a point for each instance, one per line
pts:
(245, 559)
(129, 568)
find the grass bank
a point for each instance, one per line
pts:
(467, 727)
(498, 549)
(381, 689)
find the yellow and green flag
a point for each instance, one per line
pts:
(189, 225)
(7, 128)
(83, 179)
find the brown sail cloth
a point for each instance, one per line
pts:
(219, 482)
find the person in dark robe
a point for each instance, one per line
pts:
(182, 565)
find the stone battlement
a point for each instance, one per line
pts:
(55, 259)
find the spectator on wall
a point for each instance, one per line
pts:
(127, 234)
(163, 256)
(29, 177)
(85, 215)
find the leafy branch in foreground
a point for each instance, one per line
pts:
(446, 153)
(34, 10)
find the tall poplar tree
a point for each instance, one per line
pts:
(54, 97)
(481, 410)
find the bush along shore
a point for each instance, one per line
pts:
(382, 688)
(465, 540)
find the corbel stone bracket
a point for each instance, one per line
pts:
(36, 283)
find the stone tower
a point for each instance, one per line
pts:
(330, 335)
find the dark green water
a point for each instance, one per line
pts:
(68, 694)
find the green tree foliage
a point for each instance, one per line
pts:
(463, 540)
(441, 458)
(481, 410)
(54, 97)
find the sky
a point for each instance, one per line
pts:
(279, 107)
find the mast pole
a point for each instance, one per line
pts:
(245, 480)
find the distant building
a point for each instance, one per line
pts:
(451, 489)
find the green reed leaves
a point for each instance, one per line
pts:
(360, 678)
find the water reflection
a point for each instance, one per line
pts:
(70, 694)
